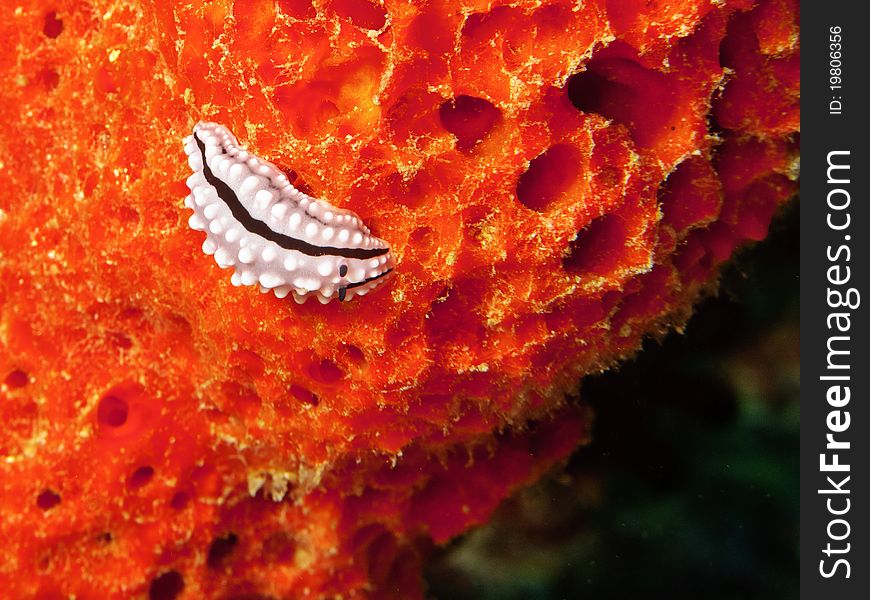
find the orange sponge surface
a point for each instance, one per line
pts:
(557, 180)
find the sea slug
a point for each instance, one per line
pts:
(271, 233)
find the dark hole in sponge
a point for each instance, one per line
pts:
(598, 247)
(589, 90)
(329, 372)
(47, 499)
(303, 395)
(16, 379)
(179, 500)
(620, 88)
(354, 354)
(548, 177)
(112, 411)
(52, 26)
(48, 78)
(220, 549)
(470, 119)
(166, 587)
(141, 477)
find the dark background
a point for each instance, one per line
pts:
(690, 484)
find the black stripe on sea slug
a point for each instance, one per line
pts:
(257, 227)
(342, 291)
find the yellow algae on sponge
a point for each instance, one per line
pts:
(556, 180)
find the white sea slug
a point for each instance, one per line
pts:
(272, 234)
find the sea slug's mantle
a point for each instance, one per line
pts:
(273, 234)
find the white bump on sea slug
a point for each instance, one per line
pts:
(324, 268)
(269, 253)
(246, 255)
(279, 210)
(212, 210)
(193, 180)
(295, 220)
(281, 291)
(343, 235)
(262, 199)
(236, 171)
(236, 279)
(311, 229)
(188, 202)
(357, 238)
(216, 227)
(327, 216)
(270, 280)
(327, 234)
(249, 184)
(200, 198)
(216, 162)
(233, 234)
(290, 263)
(373, 263)
(357, 274)
(249, 278)
(223, 258)
(196, 222)
(209, 246)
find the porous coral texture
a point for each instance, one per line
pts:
(557, 180)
